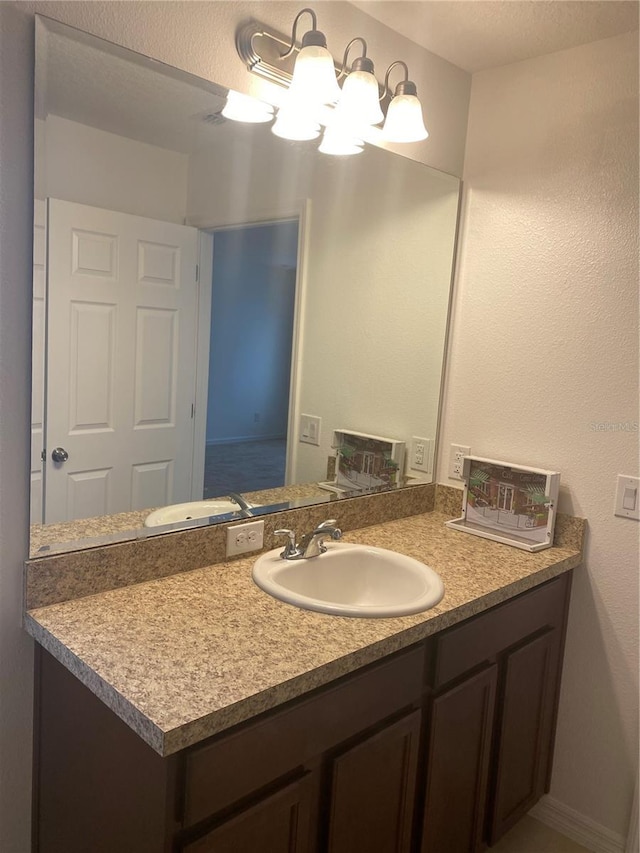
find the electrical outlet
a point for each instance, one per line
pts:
(310, 429)
(245, 537)
(456, 463)
(421, 456)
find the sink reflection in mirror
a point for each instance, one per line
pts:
(199, 509)
(351, 580)
(341, 319)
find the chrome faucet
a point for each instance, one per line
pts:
(245, 507)
(311, 544)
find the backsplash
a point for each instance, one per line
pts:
(61, 577)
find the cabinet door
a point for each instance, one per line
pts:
(525, 740)
(458, 754)
(280, 823)
(373, 791)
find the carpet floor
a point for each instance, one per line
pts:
(244, 466)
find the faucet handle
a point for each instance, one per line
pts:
(330, 522)
(290, 547)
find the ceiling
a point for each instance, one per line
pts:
(82, 78)
(479, 34)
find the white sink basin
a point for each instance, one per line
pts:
(351, 580)
(185, 512)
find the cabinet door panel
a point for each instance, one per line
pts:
(373, 791)
(280, 823)
(458, 755)
(525, 736)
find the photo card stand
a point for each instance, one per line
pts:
(367, 462)
(508, 503)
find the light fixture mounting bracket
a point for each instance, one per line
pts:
(261, 49)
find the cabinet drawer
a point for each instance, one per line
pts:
(235, 765)
(482, 637)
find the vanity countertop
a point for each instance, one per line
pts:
(187, 656)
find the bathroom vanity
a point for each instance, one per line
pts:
(229, 721)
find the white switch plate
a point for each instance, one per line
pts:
(627, 497)
(421, 456)
(456, 456)
(245, 537)
(310, 426)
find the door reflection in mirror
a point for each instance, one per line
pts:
(252, 324)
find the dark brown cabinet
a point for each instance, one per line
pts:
(458, 750)
(525, 730)
(439, 748)
(491, 719)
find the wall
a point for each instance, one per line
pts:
(545, 346)
(198, 37)
(89, 166)
(16, 228)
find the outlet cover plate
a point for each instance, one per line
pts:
(242, 538)
(456, 455)
(421, 456)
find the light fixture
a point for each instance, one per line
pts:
(241, 107)
(359, 102)
(340, 144)
(297, 126)
(312, 89)
(314, 76)
(404, 122)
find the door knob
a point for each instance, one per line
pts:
(59, 454)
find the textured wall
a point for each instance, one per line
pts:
(545, 344)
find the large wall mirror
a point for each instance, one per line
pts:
(212, 303)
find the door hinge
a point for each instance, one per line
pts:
(193, 410)
(197, 272)
(43, 455)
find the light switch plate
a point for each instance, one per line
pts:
(310, 426)
(627, 497)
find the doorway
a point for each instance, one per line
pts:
(253, 301)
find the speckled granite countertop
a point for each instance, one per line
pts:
(187, 656)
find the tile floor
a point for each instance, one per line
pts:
(531, 836)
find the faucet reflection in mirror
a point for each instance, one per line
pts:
(314, 98)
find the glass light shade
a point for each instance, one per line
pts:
(297, 126)
(340, 144)
(359, 103)
(241, 107)
(404, 120)
(314, 76)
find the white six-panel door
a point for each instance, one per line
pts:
(121, 349)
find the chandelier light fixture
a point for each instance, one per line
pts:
(314, 97)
